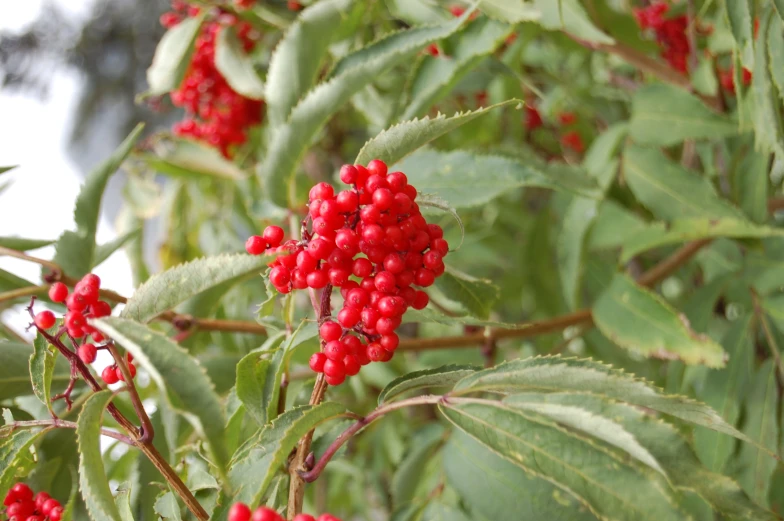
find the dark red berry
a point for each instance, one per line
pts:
(317, 361)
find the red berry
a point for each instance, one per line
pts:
(357, 298)
(48, 505)
(397, 181)
(88, 353)
(320, 248)
(56, 514)
(317, 279)
(330, 331)
(40, 499)
(383, 198)
(58, 292)
(349, 317)
(239, 512)
(420, 300)
(88, 292)
(327, 517)
(266, 514)
(424, 277)
(100, 309)
(375, 352)
(351, 365)
(347, 201)
(304, 517)
(91, 279)
(335, 380)
(377, 167)
(45, 319)
(334, 368)
(273, 235)
(109, 375)
(321, 191)
(362, 267)
(335, 350)
(348, 174)
(352, 344)
(317, 361)
(306, 262)
(386, 325)
(21, 492)
(389, 342)
(131, 369)
(255, 245)
(280, 276)
(385, 282)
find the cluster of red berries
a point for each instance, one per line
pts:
(727, 79)
(241, 512)
(670, 33)
(533, 119)
(379, 219)
(21, 505)
(82, 304)
(215, 113)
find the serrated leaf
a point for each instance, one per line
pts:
(610, 486)
(15, 374)
(75, 250)
(180, 376)
(739, 16)
(671, 449)
(477, 296)
(467, 179)
(669, 190)
(437, 76)
(106, 250)
(764, 105)
(393, 144)
(166, 506)
(444, 376)
(512, 11)
(21, 244)
(429, 315)
(172, 56)
(280, 363)
(188, 159)
(556, 374)
(123, 501)
(597, 426)
(15, 458)
(569, 16)
(258, 460)
(499, 490)
(761, 424)
(665, 115)
(684, 230)
(93, 482)
(724, 391)
(639, 320)
(351, 74)
(251, 377)
(42, 369)
(166, 290)
(295, 64)
(236, 66)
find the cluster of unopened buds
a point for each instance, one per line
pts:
(215, 113)
(83, 303)
(22, 505)
(242, 512)
(374, 232)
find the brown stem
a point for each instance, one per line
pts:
(21, 255)
(772, 344)
(58, 423)
(27, 291)
(146, 433)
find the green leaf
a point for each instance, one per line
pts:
(166, 290)
(556, 374)
(429, 315)
(684, 230)
(763, 101)
(178, 374)
(393, 144)
(639, 320)
(280, 363)
(236, 65)
(15, 374)
(73, 499)
(665, 115)
(351, 74)
(577, 220)
(258, 460)
(750, 184)
(251, 379)
(172, 56)
(669, 190)
(779, 5)
(610, 485)
(42, 369)
(295, 64)
(569, 16)
(724, 391)
(4, 169)
(93, 482)
(16, 461)
(20, 244)
(189, 159)
(467, 179)
(776, 50)
(166, 506)
(512, 11)
(499, 490)
(671, 450)
(75, 250)
(477, 296)
(761, 424)
(437, 76)
(444, 376)
(739, 16)
(123, 501)
(104, 251)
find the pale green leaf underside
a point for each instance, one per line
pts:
(236, 66)
(42, 369)
(15, 455)
(172, 56)
(187, 159)
(444, 376)
(477, 296)
(15, 374)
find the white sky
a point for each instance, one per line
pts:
(33, 135)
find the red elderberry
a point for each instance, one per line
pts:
(573, 141)
(266, 514)
(109, 375)
(45, 319)
(239, 512)
(87, 353)
(58, 292)
(533, 119)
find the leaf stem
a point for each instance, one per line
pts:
(63, 424)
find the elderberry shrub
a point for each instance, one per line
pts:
(242, 512)
(21, 504)
(215, 113)
(373, 243)
(83, 303)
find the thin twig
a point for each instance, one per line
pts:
(146, 433)
(58, 423)
(21, 255)
(27, 291)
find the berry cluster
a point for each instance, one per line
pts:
(21, 505)
(82, 304)
(670, 33)
(379, 219)
(215, 113)
(241, 512)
